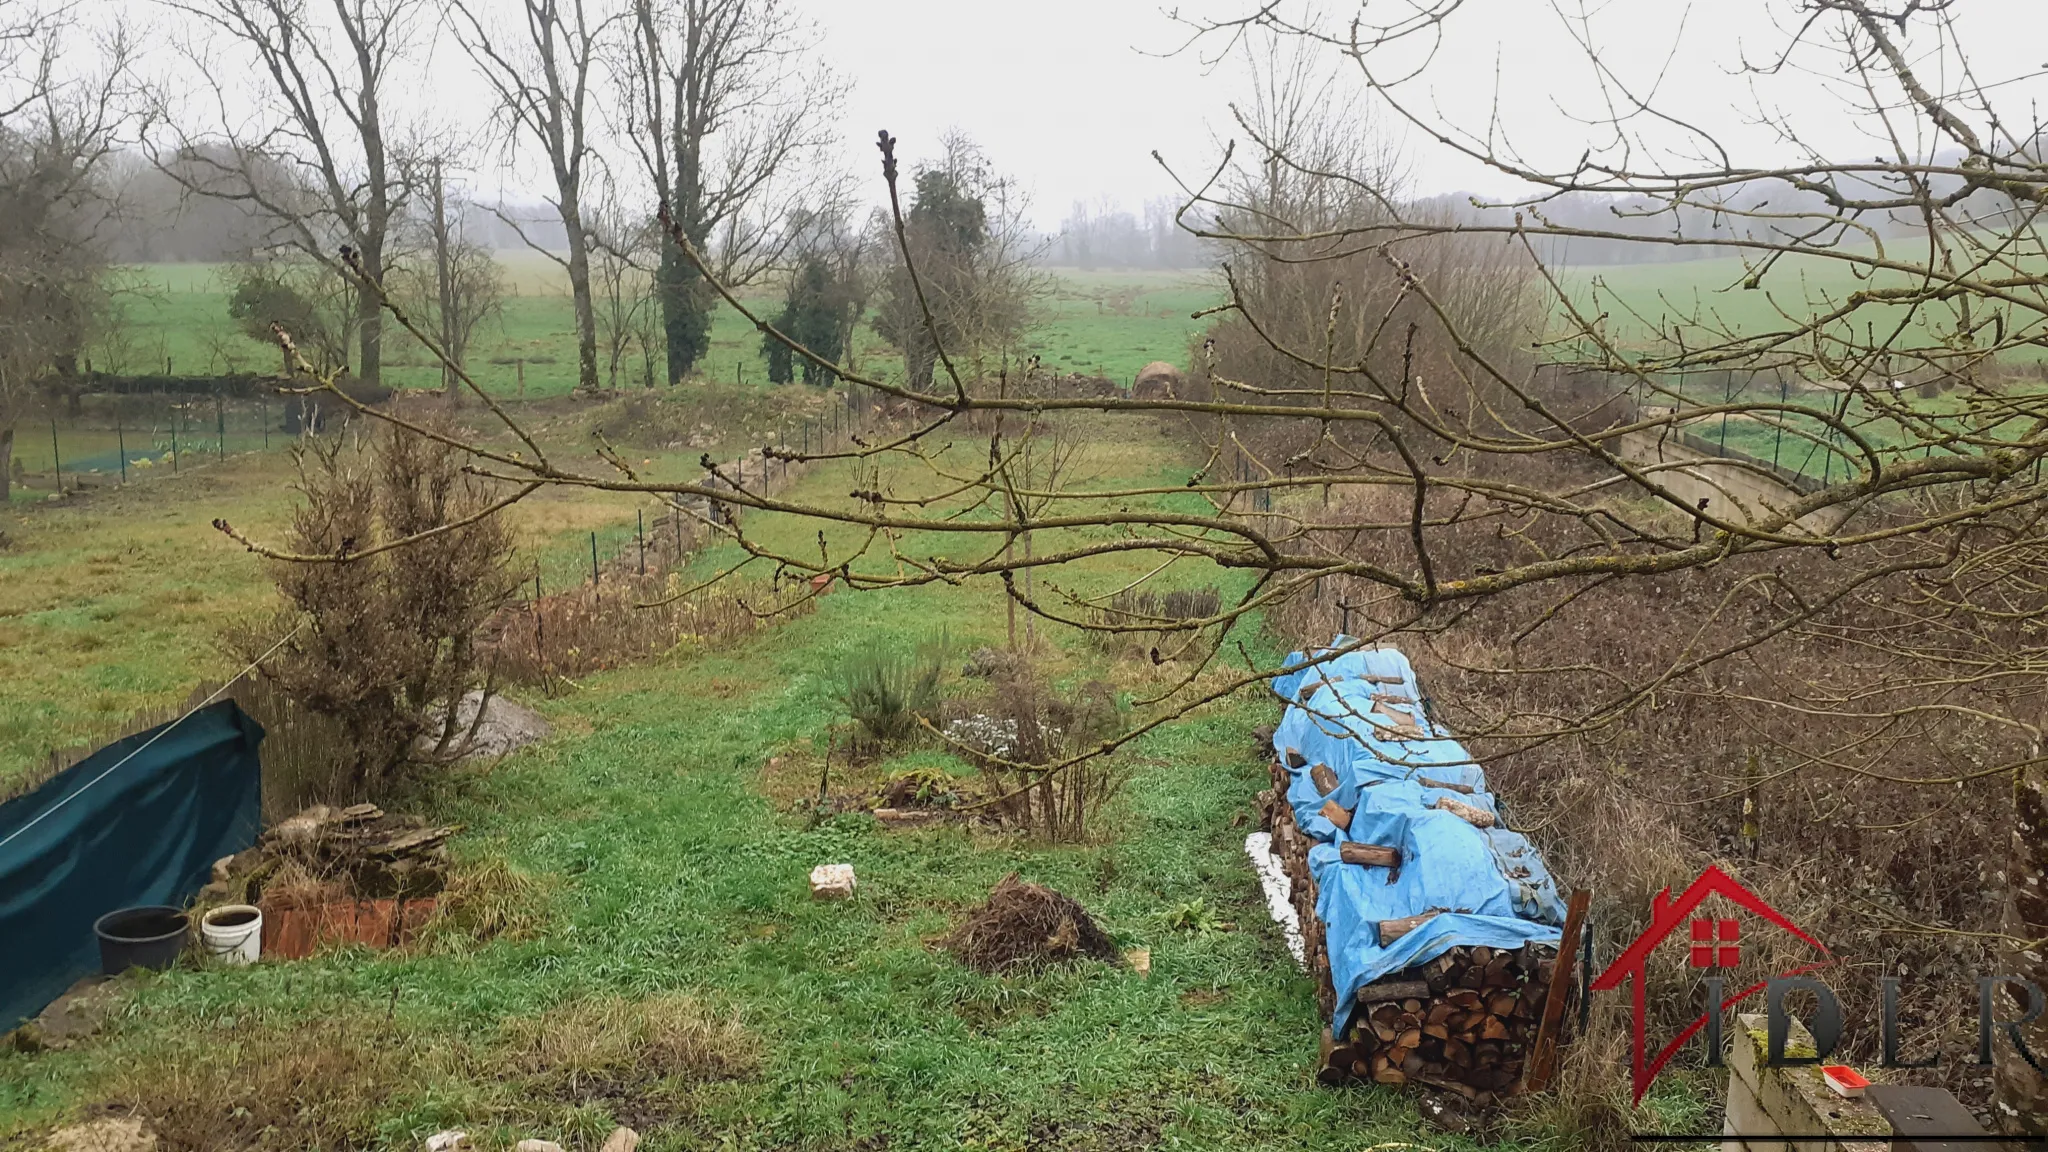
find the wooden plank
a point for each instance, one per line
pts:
(1543, 1053)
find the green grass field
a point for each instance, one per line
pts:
(1701, 300)
(1108, 323)
(665, 826)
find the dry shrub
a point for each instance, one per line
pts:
(613, 1047)
(383, 643)
(1023, 724)
(630, 619)
(1028, 926)
(247, 1082)
(1153, 616)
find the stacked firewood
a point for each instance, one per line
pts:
(1464, 1022)
(1470, 1021)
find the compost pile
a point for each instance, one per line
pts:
(1026, 926)
(1430, 927)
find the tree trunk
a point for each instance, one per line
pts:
(370, 318)
(2022, 1104)
(6, 464)
(677, 278)
(579, 291)
(444, 281)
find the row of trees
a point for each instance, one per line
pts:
(292, 135)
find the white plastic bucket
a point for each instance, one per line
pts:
(233, 933)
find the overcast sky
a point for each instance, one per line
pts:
(1073, 96)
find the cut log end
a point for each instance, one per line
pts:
(1476, 817)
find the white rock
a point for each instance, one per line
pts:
(832, 881)
(621, 1140)
(537, 1146)
(448, 1141)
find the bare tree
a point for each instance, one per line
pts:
(623, 252)
(325, 73)
(462, 286)
(542, 83)
(730, 112)
(56, 136)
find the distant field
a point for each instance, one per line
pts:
(1107, 323)
(1704, 297)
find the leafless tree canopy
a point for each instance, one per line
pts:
(56, 139)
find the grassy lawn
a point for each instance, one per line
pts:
(676, 866)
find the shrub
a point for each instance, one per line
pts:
(1022, 728)
(887, 691)
(382, 644)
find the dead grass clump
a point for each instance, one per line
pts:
(1587, 1103)
(238, 1084)
(487, 899)
(1028, 926)
(614, 1047)
(1157, 623)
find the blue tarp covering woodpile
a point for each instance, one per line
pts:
(1406, 784)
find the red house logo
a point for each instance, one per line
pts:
(1711, 942)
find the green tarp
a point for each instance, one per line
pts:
(138, 822)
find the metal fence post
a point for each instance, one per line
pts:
(593, 559)
(640, 516)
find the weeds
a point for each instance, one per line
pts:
(1158, 623)
(1022, 725)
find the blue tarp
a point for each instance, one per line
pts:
(140, 821)
(1362, 714)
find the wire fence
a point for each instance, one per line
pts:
(110, 439)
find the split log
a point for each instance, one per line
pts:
(1477, 817)
(1324, 778)
(1393, 991)
(1392, 930)
(1337, 814)
(1370, 855)
(1295, 759)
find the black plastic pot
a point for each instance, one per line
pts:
(149, 937)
